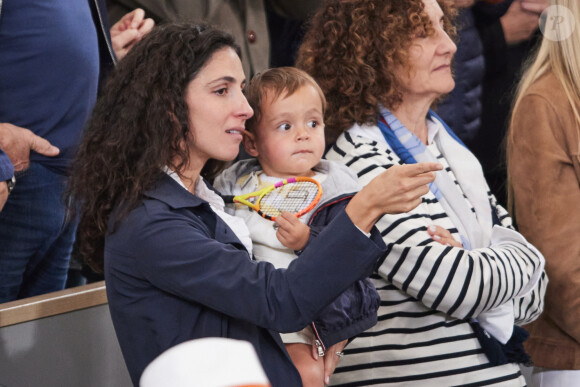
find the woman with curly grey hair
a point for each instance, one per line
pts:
(447, 310)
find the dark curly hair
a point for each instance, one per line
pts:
(351, 48)
(139, 125)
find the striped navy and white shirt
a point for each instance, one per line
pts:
(429, 291)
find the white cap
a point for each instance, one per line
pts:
(208, 362)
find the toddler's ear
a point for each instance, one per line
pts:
(249, 142)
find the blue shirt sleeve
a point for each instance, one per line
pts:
(6, 167)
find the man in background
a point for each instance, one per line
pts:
(53, 55)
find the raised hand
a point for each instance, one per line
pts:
(396, 190)
(129, 30)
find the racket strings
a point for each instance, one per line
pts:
(293, 198)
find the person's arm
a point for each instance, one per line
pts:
(196, 267)
(221, 277)
(463, 283)
(394, 191)
(546, 196)
(455, 281)
(528, 307)
(355, 310)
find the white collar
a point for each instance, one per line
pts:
(433, 127)
(373, 132)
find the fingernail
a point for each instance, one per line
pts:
(436, 237)
(432, 228)
(326, 380)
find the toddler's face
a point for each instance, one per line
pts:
(289, 139)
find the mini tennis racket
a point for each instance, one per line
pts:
(297, 195)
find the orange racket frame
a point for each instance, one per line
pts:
(259, 195)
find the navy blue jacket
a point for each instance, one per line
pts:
(355, 310)
(176, 272)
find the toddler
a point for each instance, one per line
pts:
(286, 138)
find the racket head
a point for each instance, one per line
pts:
(297, 195)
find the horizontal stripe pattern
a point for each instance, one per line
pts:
(428, 291)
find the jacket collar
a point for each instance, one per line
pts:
(170, 192)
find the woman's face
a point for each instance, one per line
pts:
(218, 108)
(428, 75)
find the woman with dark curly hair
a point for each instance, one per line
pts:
(447, 310)
(177, 267)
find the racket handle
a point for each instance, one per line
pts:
(228, 198)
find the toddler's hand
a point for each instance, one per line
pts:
(292, 233)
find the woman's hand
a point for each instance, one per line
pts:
(331, 360)
(292, 233)
(443, 236)
(396, 190)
